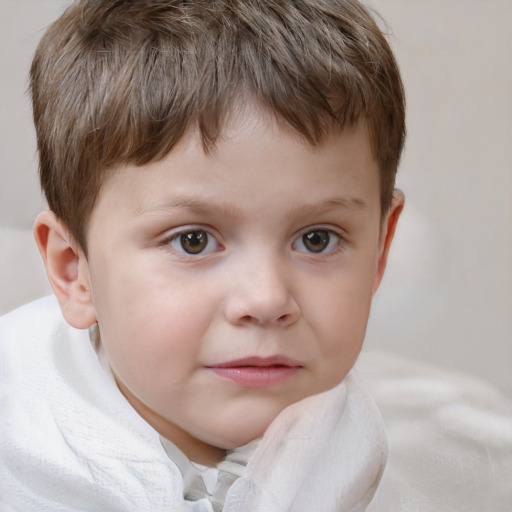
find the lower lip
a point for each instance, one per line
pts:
(256, 376)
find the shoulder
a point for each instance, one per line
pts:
(33, 338)
(450, 438)
(29, 330)
(29, 317)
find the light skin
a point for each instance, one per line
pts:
(266, 250)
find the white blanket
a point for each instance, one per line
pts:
(450, 438)
(69, 441)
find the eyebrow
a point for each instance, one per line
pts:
(352, 204)
(205, 206)
(189, 203)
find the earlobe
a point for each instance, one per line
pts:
(386, 237)
(66, 268)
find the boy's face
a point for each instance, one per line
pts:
(228, 286)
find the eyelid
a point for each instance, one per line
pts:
(174, 234)
(337, 232)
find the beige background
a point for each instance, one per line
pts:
(447, 296)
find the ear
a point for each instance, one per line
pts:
(387, 232)
(67, 270)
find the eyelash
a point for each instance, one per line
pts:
(208, 243)
(177, 240)
(321, 234)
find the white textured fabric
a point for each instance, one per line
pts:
(69, 441)
(316, 456)
(201, 481)
(450, 438)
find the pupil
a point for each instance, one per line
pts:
(194, 242)
(316, 241)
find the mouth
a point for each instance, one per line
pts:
(257, 372)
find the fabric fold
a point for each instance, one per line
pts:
(331, 445)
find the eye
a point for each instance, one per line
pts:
(196, 241)
(318, 241)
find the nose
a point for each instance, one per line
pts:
(262, 295)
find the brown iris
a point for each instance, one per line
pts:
(316, 241)
(194, 242)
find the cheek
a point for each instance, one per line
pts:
(149, 323)
(344, 320)
(341, 336)
(340, 313)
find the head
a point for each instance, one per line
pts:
(220, 177)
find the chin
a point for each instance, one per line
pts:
(239, 434)
(240, 439)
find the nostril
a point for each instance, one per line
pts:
(263, 314)
(251, 319)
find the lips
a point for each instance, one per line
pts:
(257, 372)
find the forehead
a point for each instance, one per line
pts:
(256, 161)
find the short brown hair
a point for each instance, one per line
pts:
(118, 82)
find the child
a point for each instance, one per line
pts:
(220, 177)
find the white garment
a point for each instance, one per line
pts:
(69, 441)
